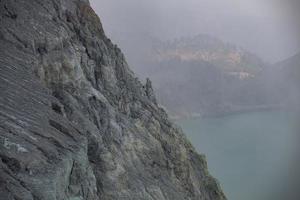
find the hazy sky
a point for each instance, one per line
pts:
(269, 28)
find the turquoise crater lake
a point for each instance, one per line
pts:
(250, 153)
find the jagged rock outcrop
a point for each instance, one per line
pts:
(75, 122)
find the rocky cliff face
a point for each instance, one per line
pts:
(76, 124)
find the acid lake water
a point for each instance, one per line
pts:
(248, 153)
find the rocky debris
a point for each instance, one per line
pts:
(76, 124)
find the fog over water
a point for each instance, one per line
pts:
(268, 28)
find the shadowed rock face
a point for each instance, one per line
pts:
(75, 122)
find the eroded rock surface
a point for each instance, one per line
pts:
(75, 122)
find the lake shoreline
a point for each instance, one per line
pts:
(240, 110)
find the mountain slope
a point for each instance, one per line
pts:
(205, 48)
(286, 77)
(75, 121)
(214, 78)
(290, 67)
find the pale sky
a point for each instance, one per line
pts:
(269, 28)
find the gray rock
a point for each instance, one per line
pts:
(75, 122)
